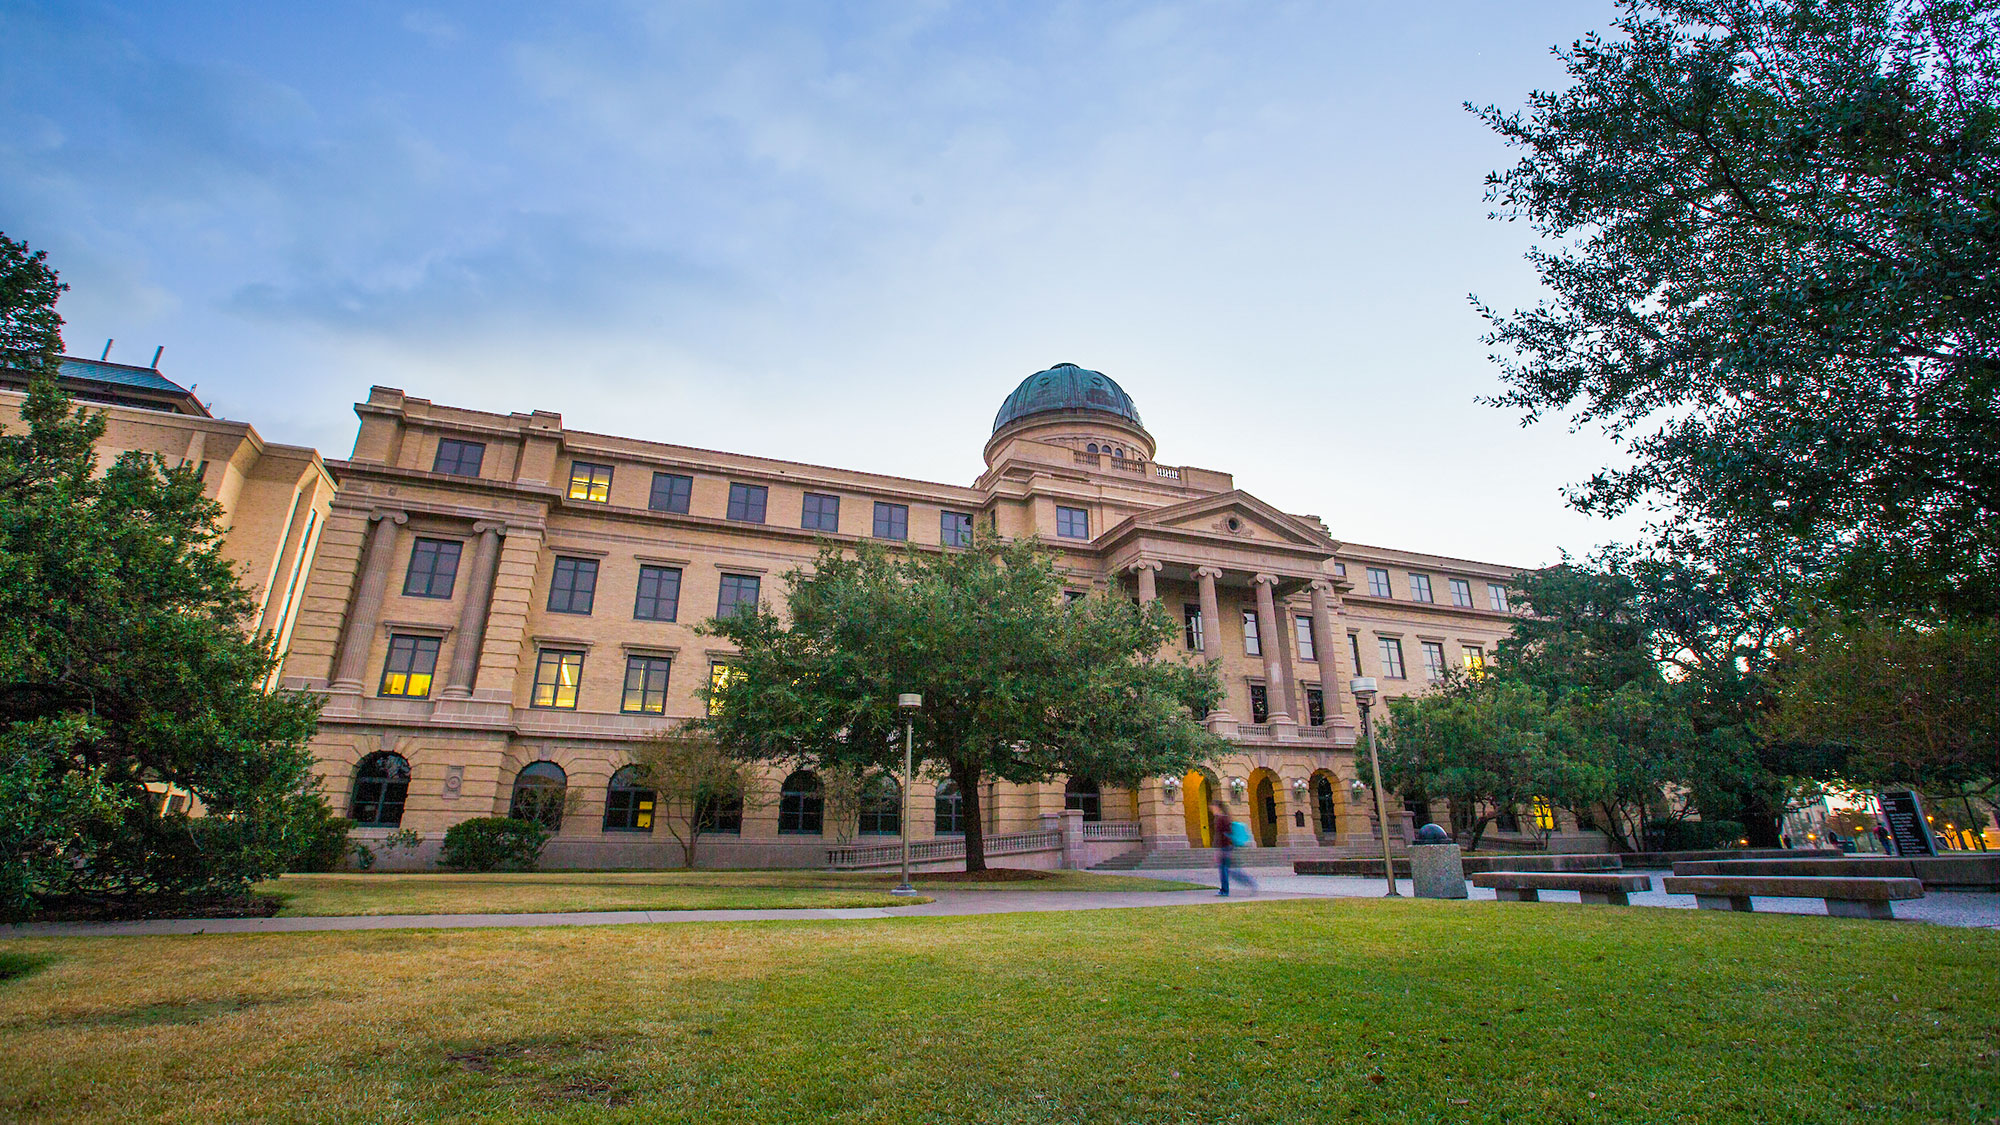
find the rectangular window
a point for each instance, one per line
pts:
(1315, 706)
(821, 512)
(433, 568)
(719, 676)
(1378, 582)
(1545, 814)
(558, 674)
(1433, 660)
(1354, 650)
(628, 808)
(739, 594)
(1475, 660)
(646, 685)
(1253, 645)
(1191, 616)
(1392, 658)
(659, 594)
(671, 493)
(573, 586)
(955, 529)
(1496, 596)
(746, 502)
(411, 664)
(1073, 523)
(1260, 704)
(1461, 593)
(892, 521)
(589, 482)
(459, 458)
(1302, 629)
(1420, 588)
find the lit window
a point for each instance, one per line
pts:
(646, 685)
(539, 792)
(1191, 616)
(557, 675)
(1253, 644)
(628, 804)
(1315, 706)
(1085, 797)
(573, 586)
(892, 521)
(659, 597)
(1496, 596)
(1378, 582)
(1073, 523)
(739, 594)
(459, 458)
(381, 783)
(1420, 588)
(720, 676)
(1302, 629)
(746, 502)
(411, 664)
(1260, 704)
(801, 805)
(1392, 657)
(671, 493)
(1461, 593)
(1545, 814)
(821, 512)
(1433, 660)
(589, 482)
(955, 529)
(1475, 660)
(881, 807)
(433, 568)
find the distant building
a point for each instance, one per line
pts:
(503, 607)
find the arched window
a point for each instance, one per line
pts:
(1083, 795)
(723, 815)
(1322, 787)
(950, 810)
(1119, 453)
(539, 791)
(801, 805)
(381, 783)
(882, 807)
(628, 803)
(1093, 448)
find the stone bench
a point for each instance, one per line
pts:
(1846, 897)
(1598, 888)
(1945, 872)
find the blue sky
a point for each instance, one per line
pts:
(832, 233)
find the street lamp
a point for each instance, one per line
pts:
(1363, 688)
(908, 703)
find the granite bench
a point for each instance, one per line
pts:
(1846, 897)
(1598, 888)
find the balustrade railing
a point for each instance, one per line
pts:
(1111, 830)
(930, 851)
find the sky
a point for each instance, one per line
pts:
(832, 233)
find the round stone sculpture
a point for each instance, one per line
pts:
(1433, 834)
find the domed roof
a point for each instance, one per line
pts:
(1066, 387)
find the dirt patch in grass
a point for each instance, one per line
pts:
(542, 1068)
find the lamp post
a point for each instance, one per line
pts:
(1363, 688)
(908, 703)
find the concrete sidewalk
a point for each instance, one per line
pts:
(947, 903)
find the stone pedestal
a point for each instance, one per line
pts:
(1436, 872)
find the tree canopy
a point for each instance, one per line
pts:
(1018, 683)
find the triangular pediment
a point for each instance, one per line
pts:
(1234, 515)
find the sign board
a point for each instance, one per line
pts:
(1904, 814)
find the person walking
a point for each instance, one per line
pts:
(1228, 835)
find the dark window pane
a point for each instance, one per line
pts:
(1073, 523)
(1322, 787)
(801, 805)
(671, 493)
(412, 663)
(1260, 704)
(949, 810)
(573, 586)
(1191, 616)
(433, 568)
(539, 790)
(628, 804)
(955, 529)
(1315, 707)
(739, 594)
(1085, 797)
(881, 807)
(892, 521)
(459, 458)
(659, 597)
(746, 502)
(821, 513)
(381, 783)
(721, 814)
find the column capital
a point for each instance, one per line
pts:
(482, 526)
(1153, 565)
(393, 515)
(1208, 572)
(1322, 586)
(1265, 579)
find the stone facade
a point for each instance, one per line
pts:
(528, 510)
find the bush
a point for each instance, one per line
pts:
(1694, 835)
(493, 843)
(324, 844)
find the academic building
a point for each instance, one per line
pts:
(501, 608)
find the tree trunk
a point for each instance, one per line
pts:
(972, 816)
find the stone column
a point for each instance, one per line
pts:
(1269, 638)
(472, 618)
(1288, 638)
(1211, 616)
(1149, 590)
(1331, 685)
(367, 609)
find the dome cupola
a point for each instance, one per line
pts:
(1076, 407)
(1066, 387)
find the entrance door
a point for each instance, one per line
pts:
(1266, 807)
(1195, 795)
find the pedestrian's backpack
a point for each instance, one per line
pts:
(1239, 835)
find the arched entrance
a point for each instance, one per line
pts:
(1264, 808)
(1197, 790)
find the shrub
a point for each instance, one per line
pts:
(1694, 835)
(324, 844)
(493, 843)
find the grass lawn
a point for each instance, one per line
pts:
(549, 891)
(1317, 1010)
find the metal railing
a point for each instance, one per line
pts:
(930, 851)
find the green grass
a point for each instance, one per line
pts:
(555, 891)
(16, 965)
(1348, 1010)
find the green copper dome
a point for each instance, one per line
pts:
(1066, 387)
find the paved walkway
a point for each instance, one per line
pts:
(1947, 908)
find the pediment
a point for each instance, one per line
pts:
(1236, 516)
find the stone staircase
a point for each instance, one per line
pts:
(1168, 859)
